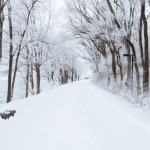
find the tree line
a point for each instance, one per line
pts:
(109, 30)
(29, 47)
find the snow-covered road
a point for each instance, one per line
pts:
(77, 116)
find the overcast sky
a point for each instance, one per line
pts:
(59, 3)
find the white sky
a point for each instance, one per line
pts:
(59, 3)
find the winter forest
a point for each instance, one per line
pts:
(41, 43)
(33, 48)
(74, 74)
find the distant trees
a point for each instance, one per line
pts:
(67, 69)
(62, 68)
(108, 29)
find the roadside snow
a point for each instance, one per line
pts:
(77, 116)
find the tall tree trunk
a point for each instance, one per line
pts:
(1, 26)
(1, 33)
(146, 51)
(141, 39)
(9, 91)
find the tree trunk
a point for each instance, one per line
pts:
(1, 26)
(38, 78)
(1, 34)
(72, 77)
(136, 67)
(121, 72)
(15, 70)
(113, 61)
(66, 76)
(127, 45)
(120, 67)
(9, 91)
(114, 66)
(32, 80)
(141, 39)
(146, 51)
(27, 75)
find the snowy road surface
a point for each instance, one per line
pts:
(77, 116)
